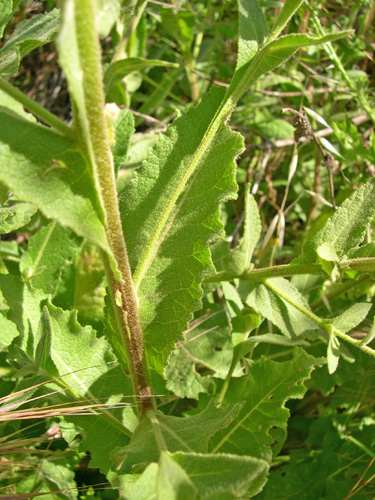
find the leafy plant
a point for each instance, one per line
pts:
(115, 296)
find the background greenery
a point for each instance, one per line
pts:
(328, 451)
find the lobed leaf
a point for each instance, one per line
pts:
(264, 391)
(171, 212)
(28, 35)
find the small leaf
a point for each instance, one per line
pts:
(272, 306)
(16, 216)
(351, 317)
(347, 227)
(370, 336)
(28, 35)
(239, 259)
(287, 12)
(8, 332)
(124, 129)
(328, 259)
(333, 352)
(173, 482)
(119, 69)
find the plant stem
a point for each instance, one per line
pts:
(120, 282)
(137, 14)
(36, 109)
(322, 323)
(366, 264)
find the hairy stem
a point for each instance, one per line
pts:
(120, 281)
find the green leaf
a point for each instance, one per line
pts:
(271, 56)
(240, 257)
(48, 251)
(290, 7)
(6, 10)
(264, 390)
(173, 482)
(137, 486)
(333, 352)
(253, 30)
(81, 361)
(268, 338)
(167, 231)
(54, 178)
(189, 434)
(347, 227)
(107, 13)
(329, 260)
(59, 478)
(28, 35)
(16, 216)
(207, 347)
(219, 473)
(351, 317)
(119, 69)
(124, 129)
(8, 332)
(275, 308)
(180, 26)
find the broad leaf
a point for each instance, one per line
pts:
(219, 473)
(190, 434)
(119, 69)
(8, 332)
(27, 36)
(167, 231)
(54, 178)
(347, 227)
(267, 302)
(208, 348)
(264, 390)
(48, 251)
(173, 482)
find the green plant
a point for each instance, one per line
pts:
(150, 248)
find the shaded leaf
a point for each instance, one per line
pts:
(124, 129)
(289, 8)
(48, 251)
(6, 9)
(28, 35)
(189, 434)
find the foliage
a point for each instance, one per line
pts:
(155, 346)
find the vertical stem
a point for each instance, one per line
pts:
(120, 286)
